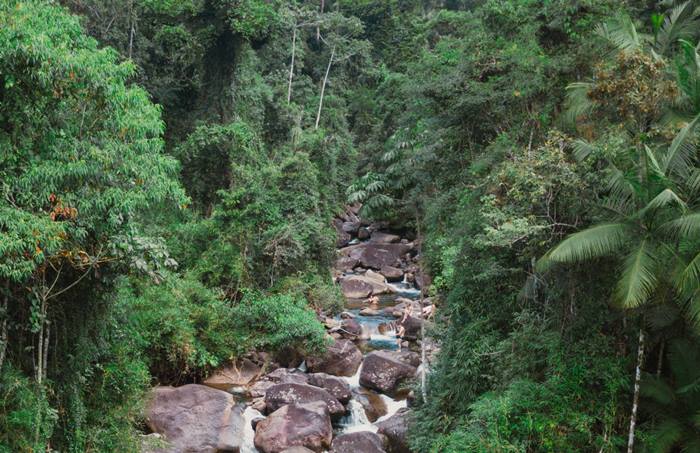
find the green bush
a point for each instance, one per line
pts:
(274, 322)
(26, 418)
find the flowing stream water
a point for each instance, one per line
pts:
(356, 420)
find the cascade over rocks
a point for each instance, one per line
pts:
(384, 371)
(282, 394)
(305, 425)
(372, 403)
(342, 358)
(365, 442)
(195, 418)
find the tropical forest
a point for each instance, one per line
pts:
(349, 226)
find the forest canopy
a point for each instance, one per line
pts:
(172, 173)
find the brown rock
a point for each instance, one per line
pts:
(196, 418)
(372, 403)
(392, 274)
(365, 442)
(362, 286)
(374, 255)
(337, 387)
(282, 394)
(395, 428)
(295, 425)
(384, 238)
(342, 358)
(238, 374)
(384, 372)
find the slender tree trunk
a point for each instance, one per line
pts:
(635, 401)
(660, 363)
(318, 27)
(132, 28)
(323, 87)
(291, 65)
(45, 359)
(3, 326)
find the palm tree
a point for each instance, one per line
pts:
(675, 403)
(652, 191)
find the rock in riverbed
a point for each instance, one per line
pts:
(342, 358)
(395, 428)
(196, 418)
(384, 372)
(364, 442)
(304, 425)
(282, 394)
(337, 387)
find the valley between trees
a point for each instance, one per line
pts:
(349, 225)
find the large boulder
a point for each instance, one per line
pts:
(297, 450)
(384, 238)
(350, 328)
(362, 286)
(355, 287)
(278, 376)
(303, 425)
(282, 394)
(196, 418)
(239, 374)
(350, 227)
(384, 372)
(395, 428)
(364, 442)
(376, 255)
(342, 358)
(337, 387)
(346, 263)
(411, 325)
(391, 273)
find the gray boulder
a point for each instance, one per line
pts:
(395, 428)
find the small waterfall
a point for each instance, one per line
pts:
(356, 420)
(247, 443)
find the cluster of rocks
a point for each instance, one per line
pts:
(295, 411)
(369, 259)
(300, 407)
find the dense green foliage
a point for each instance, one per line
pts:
(170, 168)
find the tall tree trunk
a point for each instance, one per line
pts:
(637, 381)
(318, 27)
(660, 362)
(291, 65)
(323, 87)
(4, 312)
(132, 27)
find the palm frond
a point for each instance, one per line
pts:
(638, 280)
(622, 33)
(690, 277)
(681, 23)
(582, 149)
(678, 158)
(594, 242)
(683, 358)
(665, 435)
(578, 103)
(684, 227)
(666, 197)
